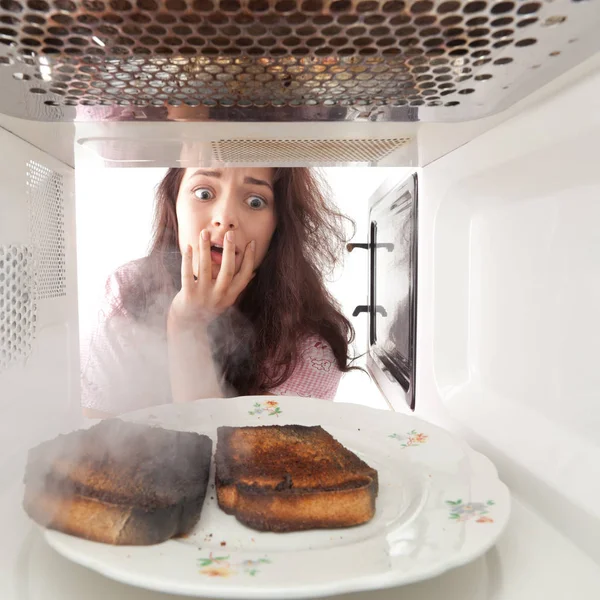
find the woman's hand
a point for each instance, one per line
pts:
(191, 368)
(202, 299)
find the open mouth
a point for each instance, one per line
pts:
(219, 249)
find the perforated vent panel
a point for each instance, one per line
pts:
(304, 151)
(47, 218)
(17, 304)
(283, 59)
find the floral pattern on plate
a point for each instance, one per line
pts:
(222, 566)
(466, 511)
(412, 438)
(270, 407)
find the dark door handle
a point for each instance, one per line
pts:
(364, 308)
(360, 309)
(388, 247)
(351, 247)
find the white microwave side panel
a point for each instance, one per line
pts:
(39, 356)
(509, 289)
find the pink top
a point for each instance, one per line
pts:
(316, 374)
(124, 363)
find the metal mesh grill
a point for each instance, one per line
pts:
(208, 54)
(17, 304)
(47, 223)
(304, 151)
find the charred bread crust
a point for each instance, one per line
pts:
(262, 493)
(149, 486)
(112, 523)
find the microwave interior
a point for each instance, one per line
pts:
(461, 137)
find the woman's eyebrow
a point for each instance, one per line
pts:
(254, 181)
(216, 174)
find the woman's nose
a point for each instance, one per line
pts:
(225, 216)
(225, 222)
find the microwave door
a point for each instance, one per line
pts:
(393, 286)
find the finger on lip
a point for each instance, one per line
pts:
(230, 238)
(226, 245)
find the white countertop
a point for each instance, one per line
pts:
(532, 561)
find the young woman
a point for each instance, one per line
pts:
(229, 301)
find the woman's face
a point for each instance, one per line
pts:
(229, 199)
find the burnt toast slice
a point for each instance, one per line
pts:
(119, 483)
(283, 478)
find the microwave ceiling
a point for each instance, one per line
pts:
(282, 60)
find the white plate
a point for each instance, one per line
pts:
(440, 505)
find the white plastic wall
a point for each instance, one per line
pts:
(509, 290)
(39, 386)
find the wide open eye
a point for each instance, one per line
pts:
(256, 202)
(203, 194)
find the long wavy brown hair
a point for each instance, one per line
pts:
(256, 343)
